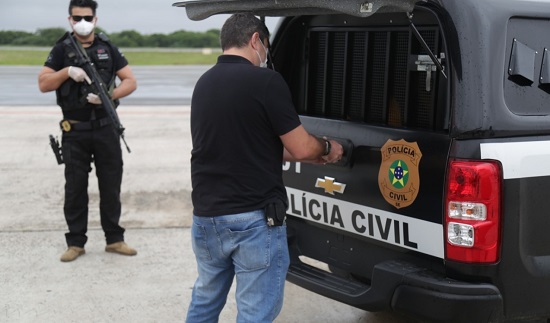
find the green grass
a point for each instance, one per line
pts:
(170, 58)
(14, 56)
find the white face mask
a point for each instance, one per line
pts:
(83, 28)
(264, 62)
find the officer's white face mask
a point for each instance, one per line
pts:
(83, 28)
(264, 62)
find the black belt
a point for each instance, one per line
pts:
(70, 125)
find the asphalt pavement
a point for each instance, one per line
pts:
(155, 285)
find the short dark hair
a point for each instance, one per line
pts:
(238, 29)
(82, 4)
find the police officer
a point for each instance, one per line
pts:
(87, 133)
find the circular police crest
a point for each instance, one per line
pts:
(66, 125)
(398, 177)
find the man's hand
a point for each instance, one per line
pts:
(78, 74)
(93, 98)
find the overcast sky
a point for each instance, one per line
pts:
(144, 16)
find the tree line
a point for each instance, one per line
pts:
(128, 38)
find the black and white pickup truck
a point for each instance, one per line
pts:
(440, 209)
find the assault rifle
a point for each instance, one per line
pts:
(99, 86)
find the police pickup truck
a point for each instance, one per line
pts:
(440, 210)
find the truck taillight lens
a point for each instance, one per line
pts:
(472, 219)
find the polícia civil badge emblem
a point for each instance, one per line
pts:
(65, 125)
(398, 177)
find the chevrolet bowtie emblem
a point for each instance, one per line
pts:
(330, 185)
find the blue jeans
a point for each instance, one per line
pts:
(240, 245)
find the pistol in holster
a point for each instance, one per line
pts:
(275, 213)
(54, 143)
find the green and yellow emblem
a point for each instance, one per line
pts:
(398, 177)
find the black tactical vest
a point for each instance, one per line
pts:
(72, 95)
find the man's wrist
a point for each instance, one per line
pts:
(328, 147)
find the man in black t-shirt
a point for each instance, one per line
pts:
(243, 125)
(87, 131)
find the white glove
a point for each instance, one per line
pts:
(93, 98)
(78, 74)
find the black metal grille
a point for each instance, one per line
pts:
(370, 76)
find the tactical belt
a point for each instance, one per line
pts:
(70, 125)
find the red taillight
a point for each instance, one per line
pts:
(472, 219)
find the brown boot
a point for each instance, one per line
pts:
(121, 248)
(72, 253)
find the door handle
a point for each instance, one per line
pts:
(348, 150)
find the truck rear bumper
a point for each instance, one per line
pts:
(407, 289)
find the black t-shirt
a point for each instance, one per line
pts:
(107, 58)
(238, 112)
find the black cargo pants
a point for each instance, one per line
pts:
(80, 148)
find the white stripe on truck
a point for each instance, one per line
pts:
(520, 159)
(396, 229)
